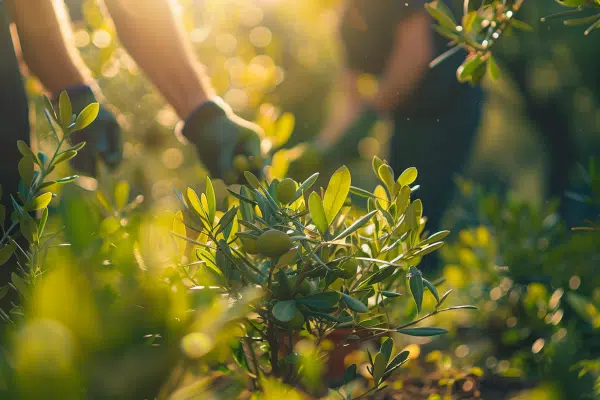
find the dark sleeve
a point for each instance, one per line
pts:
(367, 31)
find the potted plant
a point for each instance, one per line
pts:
(327, 269)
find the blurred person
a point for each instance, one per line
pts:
(435, 117)
(154, 38)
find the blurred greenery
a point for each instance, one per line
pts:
(102, 322)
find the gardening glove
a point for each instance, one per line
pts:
(102, 137)
(309, 158)
(226, 144)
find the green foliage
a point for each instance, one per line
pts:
(484, 23)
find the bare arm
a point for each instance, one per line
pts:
(342, 112)
(413, 50)
(152, 35)
(45, 37)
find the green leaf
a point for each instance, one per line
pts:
(492, 68)
(226, 219)
(317, 212)
(379, 365)
(321, 301)
(408, 177)
(386, 348)
(18, 283)
(523, 26)
(194, 202)
(39, 202)
(356, 225)
(361, 192)
(430, 248)
(468, 20)
(242, 198)
(26, 151)
(380, 275)
(465, 72)
(329, 317)
(432, 289)
(436, 237)
(121, 194)
(350, 374)
(252, 180)
(385, 293)
(415, 280)
(375, 164)
(422, 331)
(49, 108)
(78, 146)
(284, 311)
(354, 304)
(64, 156)
(4, 291)
(6, 252)
(440, 12)
(336, 193)
(25, 168)
(2, 215)
(211, 199)
(65, 110)
(386, 174)
(444, 297)
(307, 184)
(43, 220)
(86, 116)
(400, 359)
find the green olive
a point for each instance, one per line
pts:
(250, 245)
(349, 268)
(286, 190)
(273, 243)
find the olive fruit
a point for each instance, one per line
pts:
(297, 321)
(273, 243)
(349, 268)
(240, 163)
(249, 244)
(304, 288)
(286, 190)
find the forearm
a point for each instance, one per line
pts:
(342, 112)
(154, 38)
(413, 50)
(45, 37)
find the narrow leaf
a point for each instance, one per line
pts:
(422, 331)
(354, 304)
(211, 199)
(432, 289)
(356, 225)
(5, 253)
(65, 110)
(317, 212)
(416, 286)
(86, 116)
(336, 193)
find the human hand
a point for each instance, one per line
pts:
(102, 137)
(311, 157)
(227, 144)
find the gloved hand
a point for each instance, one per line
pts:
(312, 156)
(226, 143)
(102, 137)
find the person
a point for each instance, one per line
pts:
(154, 38)
(435, 117)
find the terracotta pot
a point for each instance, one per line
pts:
(335, 369)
